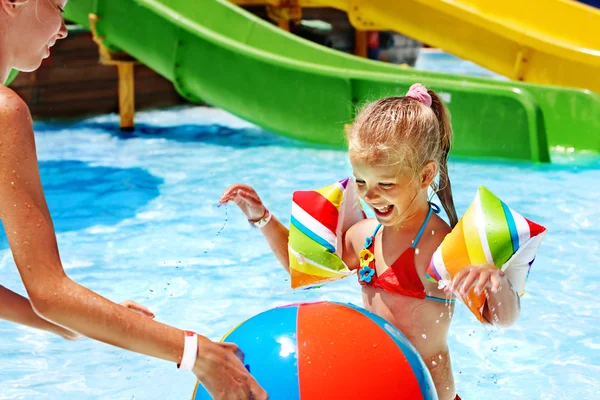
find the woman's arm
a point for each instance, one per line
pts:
(16, 308)
(56, 297)
(31, 236)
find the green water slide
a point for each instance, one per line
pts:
(11, 77)
(216, 52)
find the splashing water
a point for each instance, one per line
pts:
(140, 232)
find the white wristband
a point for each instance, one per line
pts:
(263, 221)
(190, 351)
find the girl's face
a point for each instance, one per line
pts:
(34, 27)
(393, 193)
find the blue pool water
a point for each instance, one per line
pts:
(136, 218)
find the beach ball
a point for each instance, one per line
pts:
(327, 350)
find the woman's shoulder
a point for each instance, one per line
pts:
(13, 110)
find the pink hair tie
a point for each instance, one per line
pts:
(419, 93)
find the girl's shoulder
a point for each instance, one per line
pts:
(361, 230)
(354, 240)
(439, 230)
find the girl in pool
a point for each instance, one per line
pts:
(28, 30)
(397, 147)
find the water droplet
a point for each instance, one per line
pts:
(417, 251)
(432, 232)
(433, 363)
(441, 315)
(499, 303)
(437, 321)
(424, 336)
(440, 356)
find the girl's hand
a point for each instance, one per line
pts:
(482, 277)
(138, 308)
(246, 198)
(220, 368)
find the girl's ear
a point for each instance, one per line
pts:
(428, 174)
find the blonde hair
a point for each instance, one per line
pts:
(405, 130)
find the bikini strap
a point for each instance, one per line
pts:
(432, 207)
(376, 230)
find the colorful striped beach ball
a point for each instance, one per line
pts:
(327, 350)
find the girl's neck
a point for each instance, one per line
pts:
(413, 220)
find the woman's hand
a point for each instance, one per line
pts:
(138, 308)
(481, 277)
(246, 198)
(220, 368)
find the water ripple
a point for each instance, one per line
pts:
(160, 247)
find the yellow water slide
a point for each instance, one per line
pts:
(554, 42)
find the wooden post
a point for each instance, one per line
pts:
(125, 66)
(284, 24)
(126, 95)
(360, 43)
(284, 11)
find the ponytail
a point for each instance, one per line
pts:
(444, 191)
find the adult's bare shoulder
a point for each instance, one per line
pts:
(14, 113)
(16, 129)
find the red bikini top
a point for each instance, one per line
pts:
(402, 277)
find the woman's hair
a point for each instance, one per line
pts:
(411, 130)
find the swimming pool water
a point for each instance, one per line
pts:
(136, 218)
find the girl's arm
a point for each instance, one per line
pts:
(502, 306)
(276, 234)
(57, 298)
